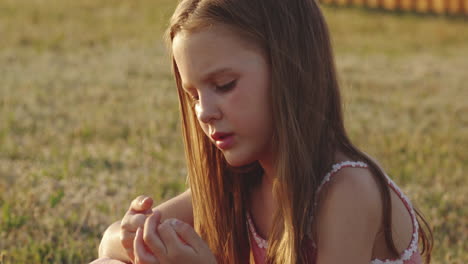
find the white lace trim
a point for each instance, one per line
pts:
(336, 167)
(406, 255)
(413, 246)
(262, 243)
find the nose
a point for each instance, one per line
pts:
(207, 109)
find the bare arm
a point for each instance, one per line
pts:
(179, 207)
(348, 219)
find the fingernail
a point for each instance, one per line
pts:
(143, 201)
(176, 223)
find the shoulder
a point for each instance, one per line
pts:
(348, 215)
(351, 187)
(351, 177)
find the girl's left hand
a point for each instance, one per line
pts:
(177, 242)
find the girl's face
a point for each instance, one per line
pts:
(229, 81)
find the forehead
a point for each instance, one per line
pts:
(212, 35)
(211, 48)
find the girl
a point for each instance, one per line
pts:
(273, 175)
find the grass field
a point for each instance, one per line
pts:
(89, 118)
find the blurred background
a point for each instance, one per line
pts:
(450, 7)
(89, 116)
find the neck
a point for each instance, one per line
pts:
(268, 177)
(262, 204)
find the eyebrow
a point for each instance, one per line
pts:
(208, 77)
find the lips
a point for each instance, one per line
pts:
(220, 136)
(223, 140)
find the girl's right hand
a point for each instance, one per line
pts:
(134, 218)
(170, 242)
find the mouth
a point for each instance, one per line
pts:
(223, 140)
(218, 136)
(223, 137)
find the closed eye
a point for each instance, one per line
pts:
(226, 87)
(194, 98)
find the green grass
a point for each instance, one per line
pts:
(89, 117)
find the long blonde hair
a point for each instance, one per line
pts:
(306, 111)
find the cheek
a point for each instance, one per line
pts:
(255, 100)
(243, 98)
(203, 126)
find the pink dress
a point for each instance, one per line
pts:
(409, 256)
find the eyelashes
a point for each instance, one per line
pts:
(226, 87)
(221, 89)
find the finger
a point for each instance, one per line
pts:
(172, 241)
(131, 222)
(188, 234)
(151, 237)
(141, 204)
(142, 255)
(127, 239)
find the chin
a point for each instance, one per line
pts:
(236, 161)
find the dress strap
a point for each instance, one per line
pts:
(261, 242)
(337, 167)
(413, 246)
